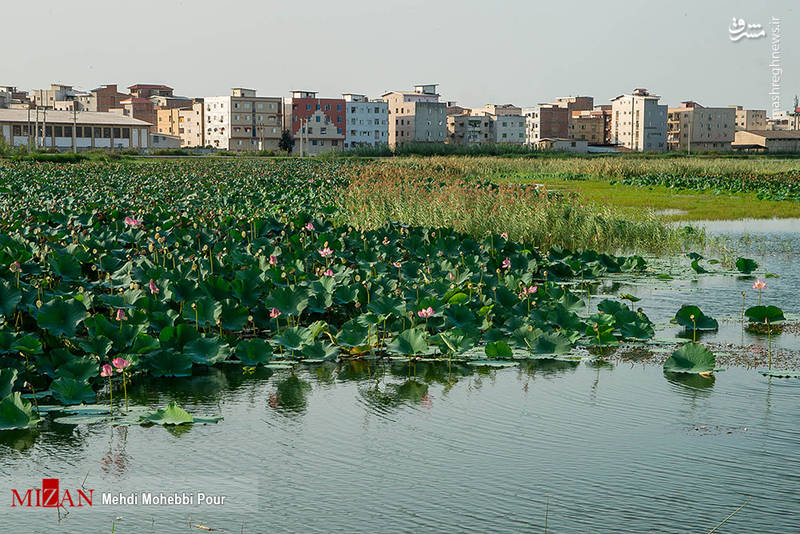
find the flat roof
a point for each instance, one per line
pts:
(775, 134)
(65, 117)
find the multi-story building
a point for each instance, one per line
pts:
(575, 103)
(317, 125)
(491, 123)
(147, 90)
(509, 124)
(639, 122)
(416, 116)
(546, 121)
(185, 123)
(588, 125)
(53, 97)
(784, 120)
(243, 121)
(11, 98)
(605, 111)
(750, 119)
(694, 127)
(138, 108)
(68, 131)
(170, 102)
(470, 129)
(367, 121)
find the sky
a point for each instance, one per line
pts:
(522, 52)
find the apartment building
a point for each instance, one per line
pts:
(367, 122)
(784, 120)
(750, 119)
(53, 97)
(470, 129)
(11, 98)
(588, 125)
(317, 124)
(138, 108)
(509, 127)
(639, 122)
(185, 123)
(575, 103)
(416, 116)
(695, 127)
(243, 121)
(546, 121)
(66, 131)
(147, 90)
(605, 111)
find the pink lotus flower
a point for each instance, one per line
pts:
(121, 315)
(325, 252)
(130, 221)
(106, 371)
(275, 313)
(15, 267)
(121, 364)
(425, 313)
(273, 260)
(760, 284)
(385, 241)
(506, 264)
(328, 273)
(309, 227)
(153, 288)
(504, 235)
(397, 264)
(532, 290)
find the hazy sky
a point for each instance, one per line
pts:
(478, 51)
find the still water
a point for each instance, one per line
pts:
(577, 446)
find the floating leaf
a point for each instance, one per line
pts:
(171, 415)
(701, 321)
(746, 265)
(691, 358)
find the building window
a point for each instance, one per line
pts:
(126, 133)
(107, 133)
(117, 133)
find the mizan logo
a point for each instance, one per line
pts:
(50, 496)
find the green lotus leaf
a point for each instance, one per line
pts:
(492, 363)
(498, 350)
(763, 314)
(65, 266)
(294, 338)
(288, 301)
(178, 336)
(320, 350)
(701, 321)
(207, 350)
(171, 415)
(234, 316)
(353, 334)
(169, 363)
(254, 352)
(205, 311)
(29, 344)
(691, 358)
(10, 297)
(99, 345)
(697, 267)
(411, 341)
(61, 317)
(746, 265)
(7, 378)
(79, 369)
(16, 413)
(453, 341)
(71, 391)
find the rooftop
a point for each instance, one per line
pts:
(149, 86)
(775, 134)
(66, 117)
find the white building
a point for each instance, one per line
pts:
(509, 129)
(243, 121)
(66, 130)
(367, 121)
(639, 122)
(164, 141)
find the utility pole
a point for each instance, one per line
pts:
(28, 125)
(44, 128)
(74, 126)
(36, 133)
(689, 153)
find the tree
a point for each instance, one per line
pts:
(287, 142)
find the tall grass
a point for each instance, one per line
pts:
(438, 194)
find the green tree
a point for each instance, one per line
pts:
(287, 142)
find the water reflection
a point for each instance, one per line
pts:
(693, 384)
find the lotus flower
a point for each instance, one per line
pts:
(121, 315)
(120, 364)
(130, 221)
(106, 371)
(397, 264)
(760, 284)
(153, 288)
(309, 227)
(385, 241)
(506, 264)
(425, 313)
(273, 260)
(325, 252)
(15, 267)
(275, 313)
(504, 235)
(328, 273)
(532, 290)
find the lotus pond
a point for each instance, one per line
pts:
(414, 378)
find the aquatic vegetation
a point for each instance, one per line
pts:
(692, 318)
(16, 413)
(746, 265)
(691, 358)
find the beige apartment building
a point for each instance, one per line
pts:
(416, 116)
(695, 127)
(546, 121)
(469, 129)
(489, 124)
(639, 122)
(575, 103)
(750, 119)
(185, 123)
(243, 121)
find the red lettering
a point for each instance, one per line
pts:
(20, 500)
(66, 497)
(82, 497)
